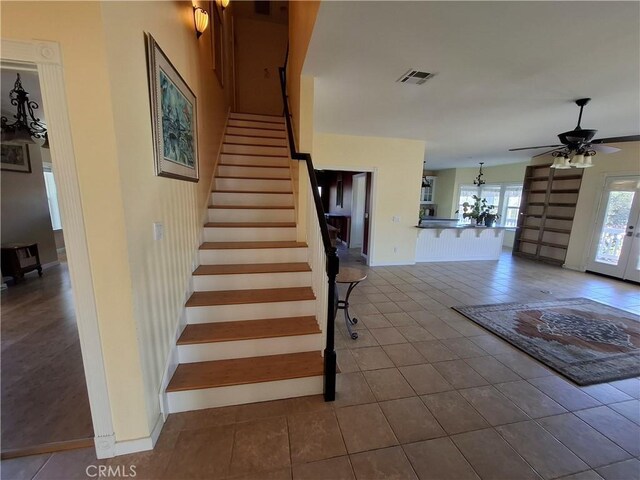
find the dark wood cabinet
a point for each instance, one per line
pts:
(20, 258)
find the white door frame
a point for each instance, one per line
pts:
(47, 58)
(355, 204)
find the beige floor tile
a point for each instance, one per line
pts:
(70, 465)
(415, 333)
(453, 412)
(492, 370)
(425, 379)
(410, 306)
(492, 344)
(570, 397)
(386, 464)
(543, 452)
(352, 389)
(402, 319)
(627, 470)
(529, 399)
(439, 459)
(523, 365)
(435, 351)
(464, 348)
(308, 404)
(388, 336)
(402, 354)
(203, 453)
(586, 475)
(346, 361)
(364, 309)
(364, 427)
(314, 436)
(374, 321)
(150, 465)
(587, 443)
(371, 358)
(459, 374)
(256, 411)
(283, 473)
(614, 426)
(629, 409)
(492, 457)
(23, 468)
(338, 468)
(365, 339)
(411, 420)
(388, 307)
(493, 406)
(260, 445)
(605, 393)
(630, 386)
(388, 384)
(441, 330)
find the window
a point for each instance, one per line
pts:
(52, 197)
(505, 196)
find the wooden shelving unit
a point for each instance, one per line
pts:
(548, 206)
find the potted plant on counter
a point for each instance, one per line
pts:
(479, 212)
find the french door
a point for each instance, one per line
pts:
(616, 247)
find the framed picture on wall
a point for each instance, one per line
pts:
(217, 41)
(15, 158)
(174, 118)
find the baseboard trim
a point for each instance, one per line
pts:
(140, 444)
(47, 448)
(390, 264)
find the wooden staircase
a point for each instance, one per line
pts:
(251, 331)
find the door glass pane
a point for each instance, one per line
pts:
(614, 227)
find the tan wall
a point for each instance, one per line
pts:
(397, 167)
(444, 197)
(302, 18)
(25, 208)
(105, 74)
(624, 162)
(260, 50)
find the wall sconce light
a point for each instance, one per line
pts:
(201, 20)
(224, 3)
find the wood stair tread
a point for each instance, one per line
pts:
(253, 207)
(251, 165)
(249, 224)
(250, 245)
(239, 297)
(242, 371)
(233, 269)
(248, 330)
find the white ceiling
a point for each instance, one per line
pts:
(506, 73)
(30, 83)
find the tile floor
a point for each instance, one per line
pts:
(423, 394)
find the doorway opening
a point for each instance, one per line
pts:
(346, 199)
(615, 250)
(45, 403)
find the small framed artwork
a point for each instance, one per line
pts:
(15, 158)
(174, 117)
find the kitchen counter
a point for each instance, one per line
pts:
(447, 242)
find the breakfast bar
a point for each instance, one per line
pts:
(448, 241)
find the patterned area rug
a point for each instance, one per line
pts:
(586, 341)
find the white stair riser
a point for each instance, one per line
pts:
(274, 199)
(235, 139)
(233, 159)
(253, 150)
(243, 234)
(255, 132)
(203, 283)
(250, 311)
(255, 185)
(187, 400)
(252, 124)
(251, 215)
(253, 255)
(256, 117)
(259, 347)
(260, 172)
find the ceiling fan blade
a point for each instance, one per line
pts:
(604, 148)
(532, 148)
(628, 138)
(546, 153)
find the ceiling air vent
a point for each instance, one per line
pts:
(414, 76)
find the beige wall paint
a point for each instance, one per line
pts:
(25, 208)
(302, 19)
(397, 167)
(444, 197)
(105, 73)
(624, 162)
(260, 50)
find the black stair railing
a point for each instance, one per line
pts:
(333, 263)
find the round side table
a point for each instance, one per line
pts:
(353, 277)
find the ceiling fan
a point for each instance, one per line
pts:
(577, 147)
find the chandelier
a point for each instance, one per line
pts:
(26, 124)
(478, 180)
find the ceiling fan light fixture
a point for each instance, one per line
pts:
(578, 160)
(588, 160)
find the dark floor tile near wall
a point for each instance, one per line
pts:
(423, 393)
